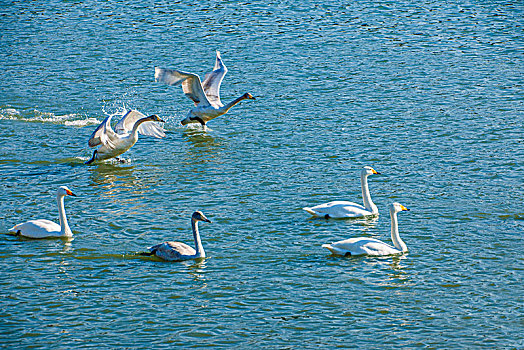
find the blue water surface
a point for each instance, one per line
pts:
(430, 94)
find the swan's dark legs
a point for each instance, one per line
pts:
(92, 158)
(198, 119)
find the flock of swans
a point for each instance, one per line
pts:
(206, 96)
(208, 106)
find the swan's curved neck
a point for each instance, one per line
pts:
(232, 103)
(200, 253)
(134, 131)
(368, 203)
(395, 237)
(64, 226)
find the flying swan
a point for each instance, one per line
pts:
(42, 228)
(371, 246)
(178, 251)
(344, 209)
(115, 142)
(206, 95)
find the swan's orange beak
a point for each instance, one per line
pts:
(69, 193)
(404, 208)
(375, 172)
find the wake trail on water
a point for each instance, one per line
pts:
(78, 120)
(34, 115)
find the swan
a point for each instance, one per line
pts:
(42, 228)
(206, 95)
(371, 246)
(344, 209)
(115, 142)
(178, 251)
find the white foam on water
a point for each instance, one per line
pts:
(72, 119)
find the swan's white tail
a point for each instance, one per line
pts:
(310, 211)
(333, 250)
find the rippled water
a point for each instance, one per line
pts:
(430, 95)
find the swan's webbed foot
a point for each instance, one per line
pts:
(92, 158)
(347, 254)
(326, 216)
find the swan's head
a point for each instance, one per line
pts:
(198, 216)
(155, 118)
(397, 207)
(248, 96)
(367, 170)
(64, 191)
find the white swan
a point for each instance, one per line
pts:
(115, 142)
(371, 246)
(344, 209)
(42, 228)
(206, 95)
(177, 251)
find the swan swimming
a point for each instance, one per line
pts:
(42, 228)
(206, 95)
(345, 209)
(115, 142)
(372, 246)
(178, 251)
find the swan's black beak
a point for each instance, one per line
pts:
(207, 220)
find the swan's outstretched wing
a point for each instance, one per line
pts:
(191, 84)
(152, 129)
(96, 137)
(126, 123)
(213, 80)
(108, 136)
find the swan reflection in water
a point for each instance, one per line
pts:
(202, 143)
(115, 178)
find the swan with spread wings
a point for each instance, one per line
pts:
(205, 95)
(115, 142)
